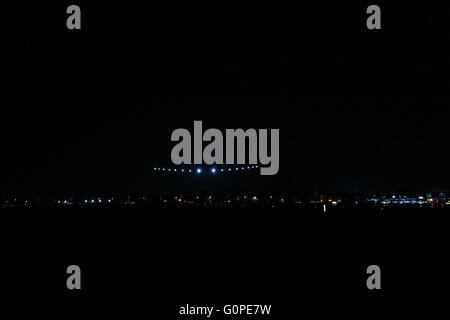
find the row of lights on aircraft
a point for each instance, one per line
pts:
(199, 170)
(99, 201)
(86, 201)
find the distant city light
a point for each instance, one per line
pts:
(381, 200)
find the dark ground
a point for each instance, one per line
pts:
(137, 262)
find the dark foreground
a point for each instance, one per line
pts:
(142, 262)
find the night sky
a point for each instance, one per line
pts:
(92, 111)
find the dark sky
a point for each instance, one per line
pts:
(93, 110)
